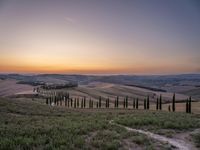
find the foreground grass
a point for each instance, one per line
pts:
(160, 120)
(26, 124)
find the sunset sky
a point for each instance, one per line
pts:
(100, 36)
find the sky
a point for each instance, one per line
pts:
(100, 36)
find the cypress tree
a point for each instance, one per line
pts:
(54, 100)
(173, 103)
(137, 103)
(169, 108)
(75, 103)
(78, 102)
(67, 95)
(160, 102)
(97, 104)
(108, 102)
(117, 101)
(71, 102)
(100, 102)
(190, 105)
(134, 103)
(145, 103)
(84, 102)
(157, 103)
(47, 101)
(148, 102)
(126, 101)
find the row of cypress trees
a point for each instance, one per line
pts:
(159, 103)
(188, 105)
(76, 103)
(146, 103)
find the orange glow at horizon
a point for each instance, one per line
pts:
(96, 38)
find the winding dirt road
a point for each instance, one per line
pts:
(179, 144)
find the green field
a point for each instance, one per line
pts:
(28, 124)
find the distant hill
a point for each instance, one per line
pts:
(184, 83)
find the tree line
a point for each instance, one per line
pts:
(127, 102)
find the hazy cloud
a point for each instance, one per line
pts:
(70, 20)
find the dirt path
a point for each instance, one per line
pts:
(179, 144)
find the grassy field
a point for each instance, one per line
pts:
(27, 124)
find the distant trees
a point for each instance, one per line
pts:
(145, 104)
(126, 99)
(137, 103)
(99, 101)
(160, 102)
(64, 99)
(169, 108)
(117, 102)
(47, 101)
(157, 103)
(84, 102)
(133, 103)
(148, 102)
(173, 103)
(188, 105)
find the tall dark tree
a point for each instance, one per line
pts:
(71, 102)
(55, 100)
(137, 103)
(160, 103)
(97, 104)
(108, 102)
(84, 102)
(148, 102)
(173, 103)
(126, 101)
(133, 103)
(145, 104)
(75, 103)
(78, 102)
(157, 103)
(190, 105)
(169, 108)
(117, 101)
(100, 102)
(47, 100)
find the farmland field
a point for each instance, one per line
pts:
(30, 124)
(27, 122)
